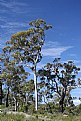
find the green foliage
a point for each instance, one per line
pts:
(26, 46)
(31, 109)
(59, 78)
(2, 106)
(23, 49)
(38, 117)
(11, 117)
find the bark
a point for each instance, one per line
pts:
(7, 98)
(61, 102)
(36, 96)
(26, 100)
(15, 104)
(0, 93)
(26, 103)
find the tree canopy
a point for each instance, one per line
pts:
(59, 78)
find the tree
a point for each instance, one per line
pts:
(14, 77)
(59, 78)
(1, 95)
(25, 47)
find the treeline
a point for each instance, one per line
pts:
(51, 85)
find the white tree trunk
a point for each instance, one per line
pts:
(15, 104)
(35, 82)
(26, 99)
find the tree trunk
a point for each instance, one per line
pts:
(61, 102)
(26, 100)
(61, 105)
(26, 103)
(0, 93)
(35, 82)
(0, 88)
(15, 104)
(7, 96)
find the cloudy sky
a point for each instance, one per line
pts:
(63, 40)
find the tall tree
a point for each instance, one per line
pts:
(60, 79)
(0, 86)
(28, 91)
(14, 76)
(25, 47)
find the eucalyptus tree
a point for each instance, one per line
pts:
(14, 77)
(28, 91)
(1, 95)
(60, 79)
(25, 48)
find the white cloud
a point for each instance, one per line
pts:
(1, 45)
(11, 4)
(51, 44)
(12, 25)
(3, 19)
(76, 61)
(40, 65)
(14, 6)
(76, 102)
(55, 52)
(72, 55)
(10, 7)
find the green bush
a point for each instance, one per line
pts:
(11, 117)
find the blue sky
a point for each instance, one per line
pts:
(63, 40)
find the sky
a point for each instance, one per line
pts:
(63, 40)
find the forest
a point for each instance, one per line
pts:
(48, 93)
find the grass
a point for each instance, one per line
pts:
(11, 117)
(39, 117)
(57, 117)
